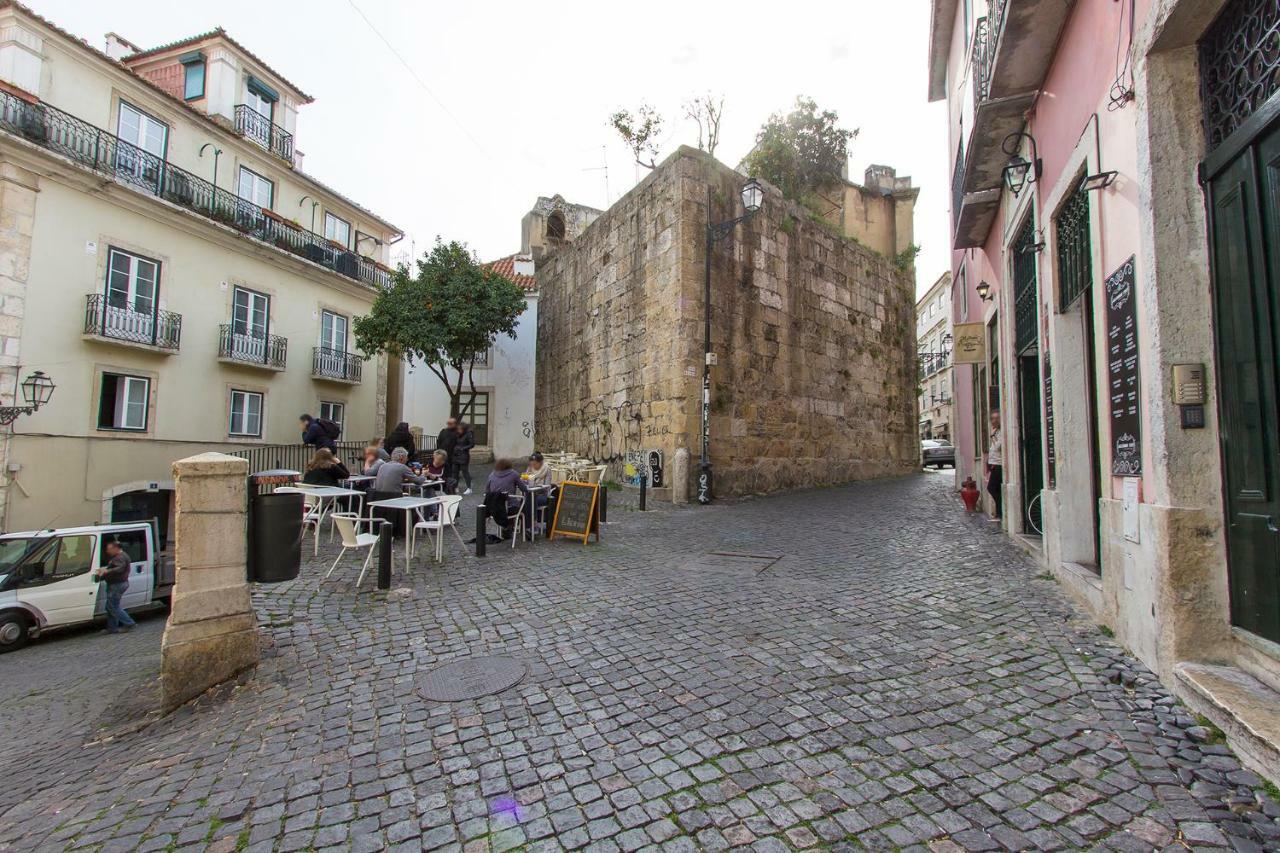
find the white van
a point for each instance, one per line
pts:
(47, 581)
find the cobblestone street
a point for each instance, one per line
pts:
(860, 666)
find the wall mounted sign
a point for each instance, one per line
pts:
(970, 343)
(1122, 372)
(1050, 442)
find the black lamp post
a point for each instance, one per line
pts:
(752, 199)
(36, 391)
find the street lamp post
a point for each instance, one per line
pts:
(752, 199)
(36, 391)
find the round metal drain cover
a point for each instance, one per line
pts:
(471, 678)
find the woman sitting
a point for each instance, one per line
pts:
(435, 468)
(325, 469)
(502, 495)
(538, 473)
(373, 459)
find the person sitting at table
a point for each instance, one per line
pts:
(376, 444)
(388, 484)
(325, 469)
(436, 467)
(501, 495)
(373, 460)
(538, 473)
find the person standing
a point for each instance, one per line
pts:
(315, 435)
(115, 574)
(995, 464)
(462, 454)
(400, 437)
(447, 440)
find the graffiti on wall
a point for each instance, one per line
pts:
(604, 434)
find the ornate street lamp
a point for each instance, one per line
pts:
(1018, 173)
(984, 291)
(752, 200)
(36, 391)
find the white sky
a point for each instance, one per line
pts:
(527, 89)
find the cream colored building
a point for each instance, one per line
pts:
(933, 343)
(167, 263)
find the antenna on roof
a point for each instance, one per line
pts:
(604, 156)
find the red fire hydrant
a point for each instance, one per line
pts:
(969, 494)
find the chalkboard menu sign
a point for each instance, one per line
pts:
(577, 511)
(1051, 442)
(1122, 372)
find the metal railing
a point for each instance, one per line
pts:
(126, 163)
(294, 457)
(269, 350)
(260, 129)
(980, 62)
(158, 329)
(932, 362)
(957, 186)
(336, 364)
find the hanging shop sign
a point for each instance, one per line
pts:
(970, 345)
(1122, 372)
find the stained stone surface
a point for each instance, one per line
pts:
(471, 678)
(904, 678)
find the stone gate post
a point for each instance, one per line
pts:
(212, 633)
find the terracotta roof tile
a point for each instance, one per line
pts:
(506, 267)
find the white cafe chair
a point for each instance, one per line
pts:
(517, 515)
(447, 516)
(348, 524)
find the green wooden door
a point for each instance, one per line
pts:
(1244, 221)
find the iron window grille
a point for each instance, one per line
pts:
(1239, 65)
(1075, 248)
(1025, 293)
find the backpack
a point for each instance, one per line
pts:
(330, 429)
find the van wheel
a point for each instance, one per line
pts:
(15, 630)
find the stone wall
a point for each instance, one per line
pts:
(814, 334)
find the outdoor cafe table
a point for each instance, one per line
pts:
(409, 504)
(422, 487)
(356, 479)
(332, 493)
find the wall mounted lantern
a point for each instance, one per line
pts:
(36, 391)
(984, 291)
(1018, 173)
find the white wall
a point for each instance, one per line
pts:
(509, 382)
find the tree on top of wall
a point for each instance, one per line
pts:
(640, 132)
(446, 315)
(802, 152)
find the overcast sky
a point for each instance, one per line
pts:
(517, 95)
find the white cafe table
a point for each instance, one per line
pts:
(356, 479)
(409, 504)
(421, 488)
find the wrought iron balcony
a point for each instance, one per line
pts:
(260, 129)
(335, 364)
(104, 153)
(159, 329)
(257, 350)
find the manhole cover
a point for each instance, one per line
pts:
(733, 562)
(471, 678)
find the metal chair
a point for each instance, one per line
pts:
(348, 524)
(446, 517)
(517, 516)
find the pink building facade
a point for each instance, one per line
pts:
(1112, 226)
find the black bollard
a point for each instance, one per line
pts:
(604, 505)
(644, 491)
(385, 544)
(481, 533)
(528, 517)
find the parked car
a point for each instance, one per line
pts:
(937, 452)
(47, 581)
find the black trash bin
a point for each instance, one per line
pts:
(275, 527)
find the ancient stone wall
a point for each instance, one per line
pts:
(814, 335)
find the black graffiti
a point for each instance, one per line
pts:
(602, 433)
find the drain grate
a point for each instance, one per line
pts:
(735, 563)
(471, 678)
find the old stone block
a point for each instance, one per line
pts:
(188, 669)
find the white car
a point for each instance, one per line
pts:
(47, 580)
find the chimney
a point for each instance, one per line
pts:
(119, 47)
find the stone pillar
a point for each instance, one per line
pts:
(212, 631)
(680, 477)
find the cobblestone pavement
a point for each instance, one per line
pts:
(883, 673)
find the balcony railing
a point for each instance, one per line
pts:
(982, 53)
(162, 329)
(957, 186)
(260, 129)
(266, 350)
(126, 163)
(335, 364)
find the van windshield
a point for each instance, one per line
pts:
(11, 550)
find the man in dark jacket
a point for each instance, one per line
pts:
(116, 576)
(462, 454)
(314, 435)
(447, 440)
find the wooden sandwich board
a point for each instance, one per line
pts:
(577, 511)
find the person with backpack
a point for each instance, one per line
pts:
(319, 432)
(400, 437)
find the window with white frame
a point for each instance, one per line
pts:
(255, 188)
(333, 332)
(337, 229)
(246, 414)
(332, 411)
(123, 402)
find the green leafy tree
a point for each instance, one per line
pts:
(639, 132)
(802, 152)
(445, 315)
